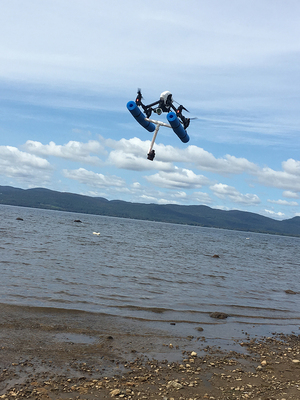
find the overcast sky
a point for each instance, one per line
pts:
(68, 68)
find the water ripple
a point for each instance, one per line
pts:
(146, 270)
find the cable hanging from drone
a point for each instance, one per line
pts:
(177, 121)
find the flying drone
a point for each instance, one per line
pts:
(177, 121)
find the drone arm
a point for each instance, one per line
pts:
(173, 107)
(139, 102)
(152, 104)
(146, 108)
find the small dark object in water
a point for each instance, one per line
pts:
(200, 329)
(216, 256)
(172, 323)
(290, 292)
(19, 219)
(77, 220)
(219, 315)
(109, 337)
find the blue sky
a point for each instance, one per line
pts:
(69, 67)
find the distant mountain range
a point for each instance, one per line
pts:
(191, 215)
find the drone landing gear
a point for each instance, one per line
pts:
(185, 121)
(158, 124)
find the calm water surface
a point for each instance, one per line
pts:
(153, 271)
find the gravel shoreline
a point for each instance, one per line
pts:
(61, 354)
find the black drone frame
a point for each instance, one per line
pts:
(162, 106)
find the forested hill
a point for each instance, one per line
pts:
(177, 214)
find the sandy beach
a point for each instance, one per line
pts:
(61, 354)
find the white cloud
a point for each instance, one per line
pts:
(94, 179)
(136, 185)
(202, 198)
(75, 151)
(283, 202)
(278, 179)
(223, 191)
(23, 166)
(204, 160)
(131, 154)
(275, 214)
(226, 165)
(180, 178)
(179, 195)
(289, 194)
(123, 160)
(292, 167)
(149, 199)
(134, 146)
(152, 199)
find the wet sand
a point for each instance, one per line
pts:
(61, 354)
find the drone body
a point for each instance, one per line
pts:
(177, 121)
(164, 104)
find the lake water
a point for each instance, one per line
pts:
(147, 270)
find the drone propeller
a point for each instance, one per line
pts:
(139, 93)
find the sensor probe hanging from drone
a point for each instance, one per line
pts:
(177, 121)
